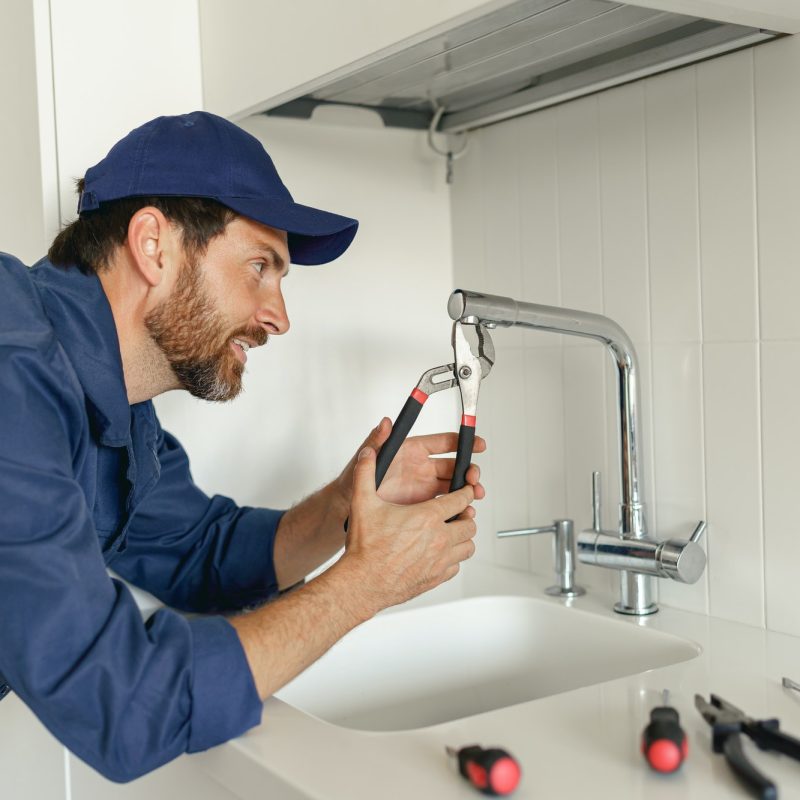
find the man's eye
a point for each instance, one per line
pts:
(259, 266)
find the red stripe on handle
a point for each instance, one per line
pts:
(466, 419)
(419, 395)
(477, 775)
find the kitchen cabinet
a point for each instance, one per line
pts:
(179, 778)
(253, 52)
(257, 56)
(31, 759)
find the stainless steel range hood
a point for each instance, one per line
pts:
(526, 55)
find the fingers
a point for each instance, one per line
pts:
(452, 504)
(462, 530)
(364, 474)
(445, 467)
(439, 443)
(460, 553)
(379, 434)
(473, 476)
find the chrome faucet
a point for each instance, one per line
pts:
(630, 550)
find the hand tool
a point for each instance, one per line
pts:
(493, 771)
(728, 723)
(788, 683)
(664, 743)
(466, 372)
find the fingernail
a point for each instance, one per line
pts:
(364, 453)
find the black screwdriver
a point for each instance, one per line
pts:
(664, 743)
(492, 771)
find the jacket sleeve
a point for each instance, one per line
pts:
(194, 552)
(125, 696)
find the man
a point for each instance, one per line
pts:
(170, 274)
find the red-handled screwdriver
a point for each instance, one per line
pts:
(492, 771)
(664, 743)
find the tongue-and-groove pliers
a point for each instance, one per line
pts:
(467, 372)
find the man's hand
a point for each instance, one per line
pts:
(400, 551)
(392, 553)
(414, 476)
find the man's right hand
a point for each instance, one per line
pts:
(398, 552)
(392, 554)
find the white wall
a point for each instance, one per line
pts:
(671, 206)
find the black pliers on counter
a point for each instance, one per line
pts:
(728, 723)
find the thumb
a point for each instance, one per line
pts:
(364, 473)
(379, 434)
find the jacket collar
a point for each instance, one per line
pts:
(81, 316)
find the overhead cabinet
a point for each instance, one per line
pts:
(474, 62)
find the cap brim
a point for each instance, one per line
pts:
(314, 236)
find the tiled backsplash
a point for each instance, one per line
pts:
(672, 205)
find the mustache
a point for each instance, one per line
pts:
(258, 336)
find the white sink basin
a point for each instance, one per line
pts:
(417, 668)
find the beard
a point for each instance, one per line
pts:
(195, 340)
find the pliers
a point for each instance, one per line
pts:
(466, 372)
(728, 723)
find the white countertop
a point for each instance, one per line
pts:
(582, 743)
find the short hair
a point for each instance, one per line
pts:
(90, 242)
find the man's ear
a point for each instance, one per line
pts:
(150, 238)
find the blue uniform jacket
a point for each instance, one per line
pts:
(88, 481)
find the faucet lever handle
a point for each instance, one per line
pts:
(564, 552)
(698, 532)
(596, 524)
(526, 531)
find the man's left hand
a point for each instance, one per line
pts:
(414, 476)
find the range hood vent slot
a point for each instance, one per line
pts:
(527, 55)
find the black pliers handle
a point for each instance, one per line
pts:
(728, 723)
(466, 372)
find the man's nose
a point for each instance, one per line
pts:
(272, 311)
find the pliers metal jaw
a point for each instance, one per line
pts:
(466, 372)
(728, 723)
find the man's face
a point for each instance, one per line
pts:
(227, 302)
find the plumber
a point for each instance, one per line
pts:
(170, 274)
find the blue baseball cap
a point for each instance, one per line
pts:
(203, 155)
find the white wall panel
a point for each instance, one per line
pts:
(579, 206)
(501, 219)
(506, 474)
(623, 184)
(544, 415)
(585, 440)
(671, 126)
(778, 171)
(727, 198)
(735, 542)
(780, 366)
(537, 170)
(680, 479)
(468, 231)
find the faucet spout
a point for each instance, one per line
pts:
(506, 312)
(639, 558)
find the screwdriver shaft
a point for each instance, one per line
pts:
(788, 683)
